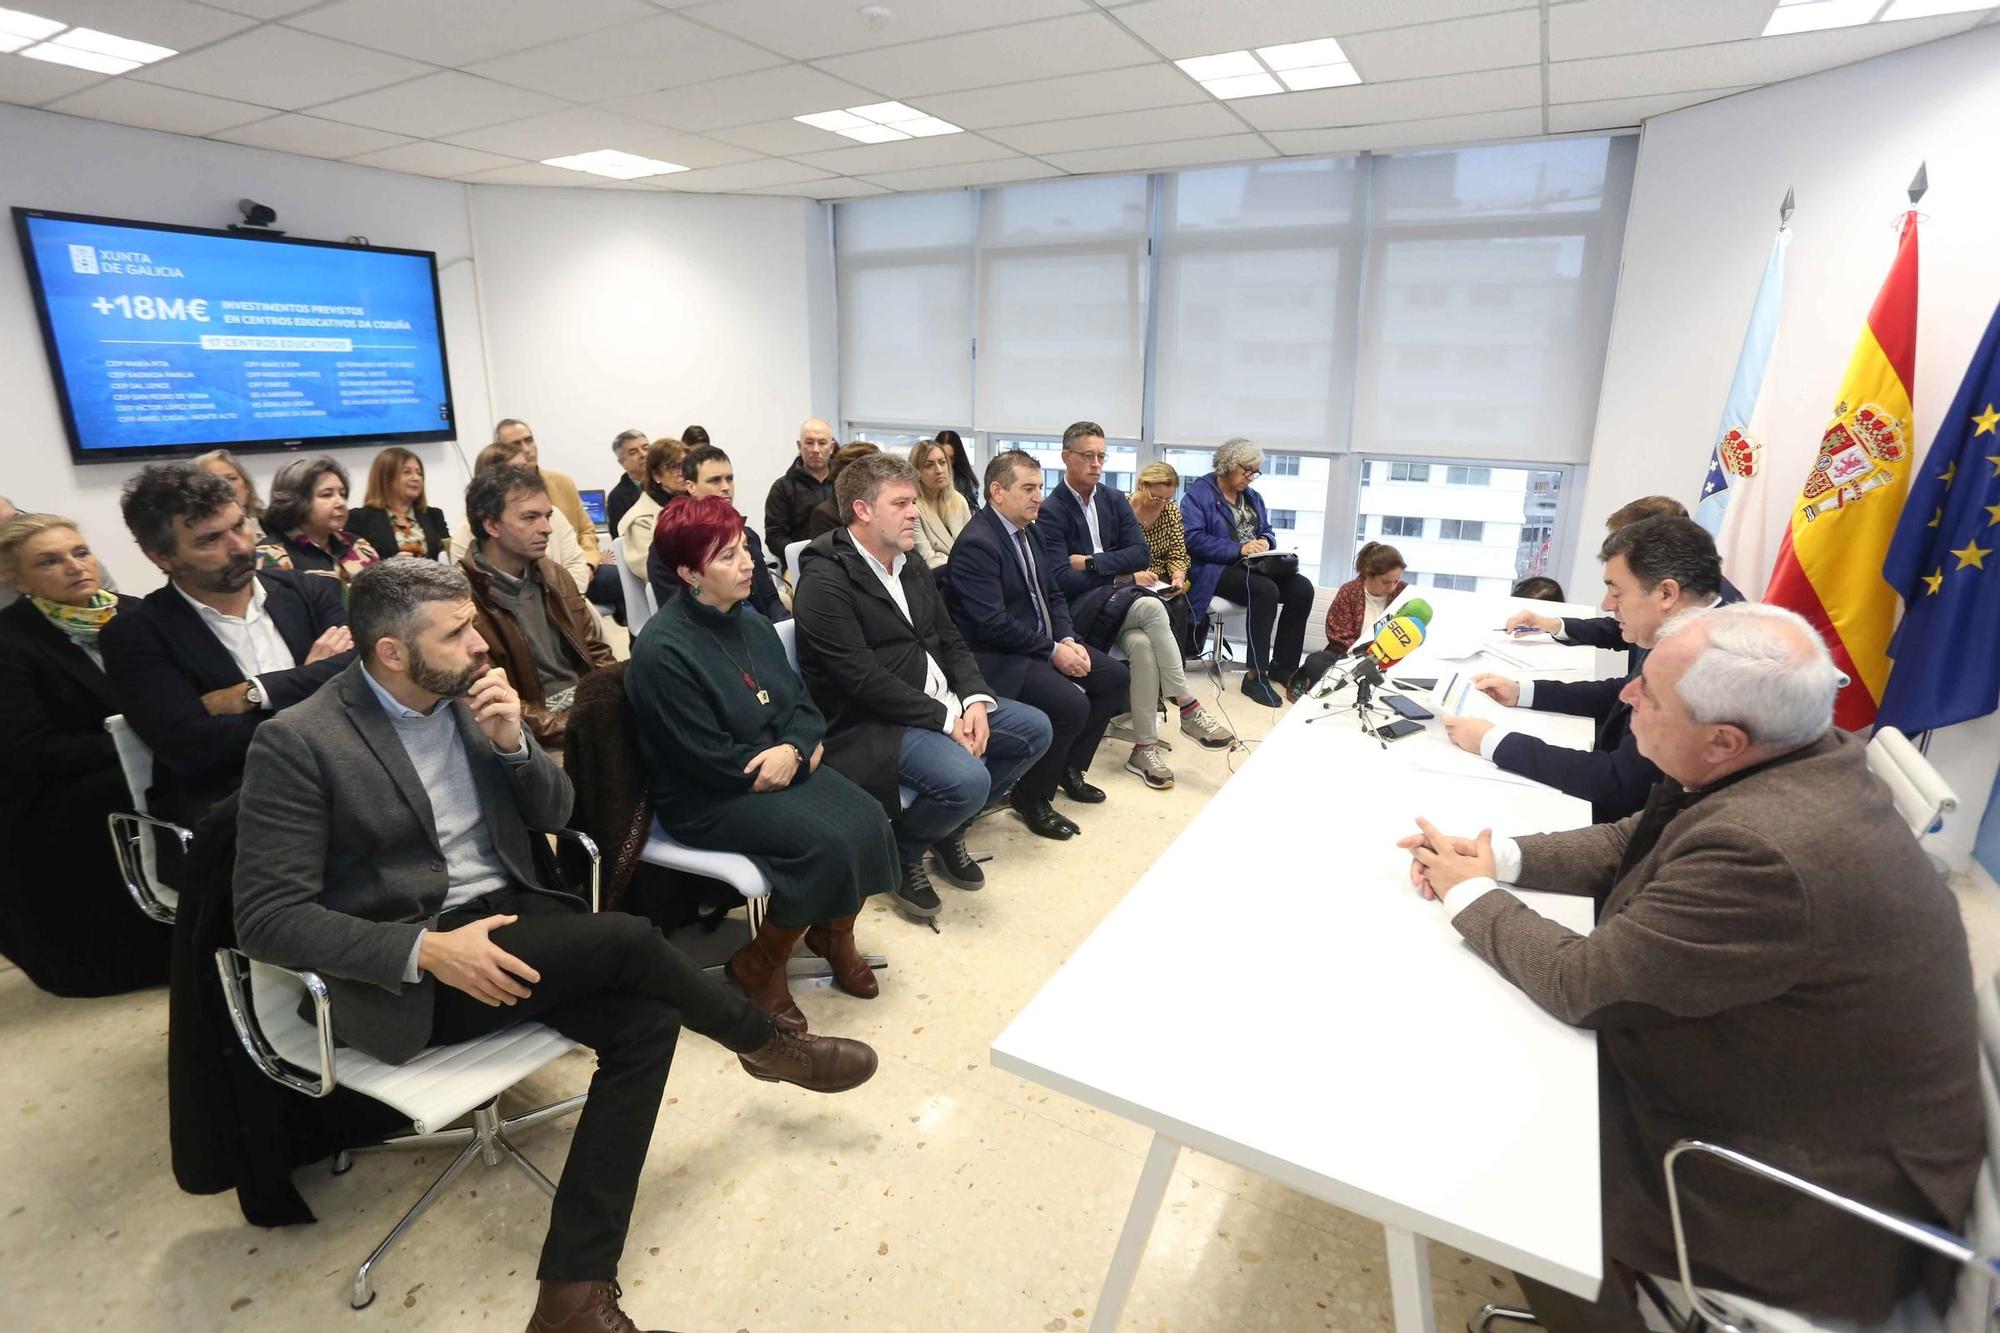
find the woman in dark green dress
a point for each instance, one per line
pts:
(731, 743)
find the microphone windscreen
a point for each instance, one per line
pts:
(1416, 609)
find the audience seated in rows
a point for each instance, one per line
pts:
(307, 523)
(942, 512)
(964, 478)
(629, 447)
(664, 484)
(709, 473)
(65, 917)
(825, 516)
(197, 665)
(732, 745)
(536, 625)
(1775, 967)
(1365, 598)
(384, 842)
(807, 484)
(1105, 570)
(602, 586)
(905, 704)
(1653, 569)
(564, 548)
(396, 517)
(1166, 543)
(1539, 588)
(1226, 525)
(224, 465)
(1005, 601)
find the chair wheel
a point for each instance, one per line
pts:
(363, 1305)
(343, 1162)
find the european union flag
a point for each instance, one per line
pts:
(1942, 562)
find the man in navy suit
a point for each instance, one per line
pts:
(197, 665)
(1004, 597)
(1653, 570)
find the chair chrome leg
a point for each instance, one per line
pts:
(364, 1283)
(410, 1143)
(528, 1168)
(1483, 1321)
(486, 1129)
(541, 1114)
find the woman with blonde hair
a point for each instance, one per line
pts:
(1166, 541)
(396, 518)
(224, 465)
(941, 511)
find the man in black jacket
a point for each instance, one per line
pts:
(1653, 570)
(197, 665)
(709, 472)
(807, 484)
(904, 701)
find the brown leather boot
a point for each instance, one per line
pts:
(581, 1307)
(817, 1064)
(834, 941)
(759, 968)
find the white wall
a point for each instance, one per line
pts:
(1704, 208)
(612, 309)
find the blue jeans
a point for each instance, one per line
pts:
(951, 785)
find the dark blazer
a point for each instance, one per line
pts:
(373, 526)
(1782, 973)
(990, 603)
(864, 662)
(53, 702)
(789, 504)
(618, 500)
(763, 588)
(1210, 524)
(161, 658)
(1603, 631)
(1612, 775)
(1066, 532)
(338, 865)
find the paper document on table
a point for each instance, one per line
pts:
(1457, 696)
(1450, 761)
(1536, 654)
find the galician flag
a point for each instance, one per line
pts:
(1829, 566)
(1732, 504)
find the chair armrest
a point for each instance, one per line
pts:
(127, 831)
(588, 846)
(1943, 1242)
(234, 967)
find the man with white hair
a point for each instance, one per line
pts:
(1775, 968)
(806, 485)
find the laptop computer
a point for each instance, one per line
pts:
(593, 507)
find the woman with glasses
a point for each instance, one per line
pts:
(1227, 529)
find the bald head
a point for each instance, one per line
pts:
(815, 447)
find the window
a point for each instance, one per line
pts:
(1281, 465)
(1455, 582)
(904, 268)
(1398, 525)
(1468, 476)
(1284, 518)
(1409, 472)
(1493, 524)
(1121, 460)
(1461, 530)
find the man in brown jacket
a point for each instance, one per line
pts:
(537, 627)
(1776, 969)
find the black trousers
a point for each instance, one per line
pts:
(1288, 604)
(613, 983)
(1079, 711)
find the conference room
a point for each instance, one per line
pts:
(1070, 664)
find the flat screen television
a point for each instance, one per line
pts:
(165, 341)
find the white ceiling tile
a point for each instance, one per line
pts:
(275, 66)
(459, 32)
(1616, 113)
(742, 176)
(1411, 99)
(966, 175)
(804, 29)
(534, 173)
(1760, 60)
(585, 129)
(743, 99)
(1203, 120)
(1152, 157)
(173, 23)
(1136, 89)
(1491, 41)
(661, 52)
(434, 159)
(907, 155)
(446, 102)
(33, 82)
(152, 107)
(311, 136)
(781, 138)
(1080, 44)
(1183, 28)
(835, 187)
(1430, 133)
(263, 9)
(1591, 28)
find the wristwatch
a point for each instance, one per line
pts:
(253, 694)
(1090, 564)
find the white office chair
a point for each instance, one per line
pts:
(1921, 796)
(639, 606)
(791, 569)
(1222, 615)
(437, 1088)
(132, 832)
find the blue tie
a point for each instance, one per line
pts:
(1034, 583)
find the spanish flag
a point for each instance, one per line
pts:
(1829, 566)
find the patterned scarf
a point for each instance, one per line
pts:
(81, 623)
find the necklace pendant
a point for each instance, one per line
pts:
(764, 697)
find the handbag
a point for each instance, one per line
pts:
(1277, 566)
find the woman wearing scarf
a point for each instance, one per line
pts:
(306, 523)
(65, 917)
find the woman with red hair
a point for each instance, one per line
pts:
(731, 744)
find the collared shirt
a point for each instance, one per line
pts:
(935, 684)
(252, 638)
(1089, 516)
(1028, 569)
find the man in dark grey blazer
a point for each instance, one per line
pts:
(1776, 968)
(384, 840)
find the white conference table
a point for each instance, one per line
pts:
(1364, 1054)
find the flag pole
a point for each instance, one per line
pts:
(1920, 183)
(1787, 208)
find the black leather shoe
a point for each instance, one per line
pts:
(1043, 821)
(956, 864)
(1077, 789)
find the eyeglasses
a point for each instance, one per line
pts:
(1089, 458)
(1251, 473)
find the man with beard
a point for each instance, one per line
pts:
(197, 665)
(385, 841)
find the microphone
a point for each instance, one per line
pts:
(1391, 644)
(1416, 609)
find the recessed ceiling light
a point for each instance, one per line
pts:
(1816, 15)
(83, 48)
(70, 55)
(879, 122)
(1227, 65)
(1303, 55)
(1290, 66)
(1320, 76)
(614, 164)
(109, 44)
(1243, 85)
(1923, 9)
(27, 27)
